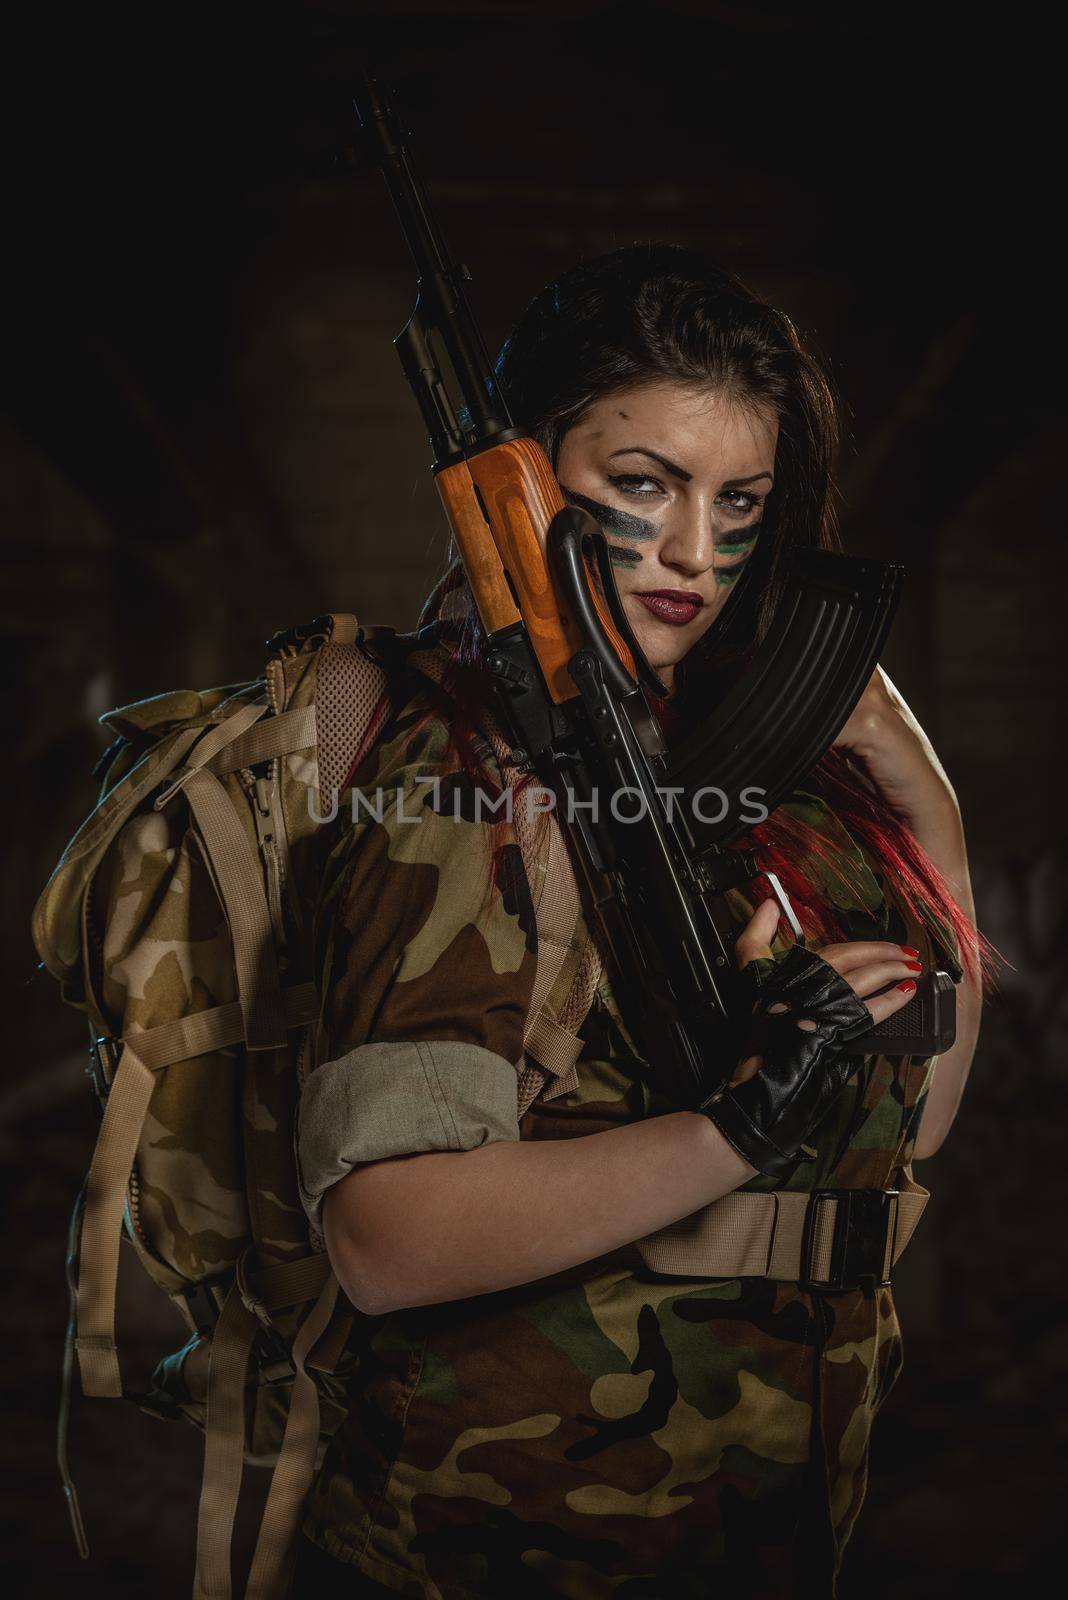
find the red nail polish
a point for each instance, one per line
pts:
(908, 985)
(909, 951)
(914, 966)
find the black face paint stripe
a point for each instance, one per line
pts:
(735, 543)
(621, 522)
(621, 557)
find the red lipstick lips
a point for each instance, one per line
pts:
(677, 606)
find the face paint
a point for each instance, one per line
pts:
(619, 557)
(738, 547)
(621, 522)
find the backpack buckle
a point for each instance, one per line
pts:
(204, 1303)
(103, 1063)
(865, 1221)
(253, 1303)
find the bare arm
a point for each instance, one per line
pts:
(942, 836)
(447, 1224)
(902, 761)
(444, 1225)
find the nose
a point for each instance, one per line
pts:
(689, 542)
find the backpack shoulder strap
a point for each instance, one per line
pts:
(352, 701)
(570, 963)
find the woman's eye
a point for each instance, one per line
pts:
(636, 483)
(749, 501)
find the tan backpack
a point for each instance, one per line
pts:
(177, 920)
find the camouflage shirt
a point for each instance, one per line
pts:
(608, 1430)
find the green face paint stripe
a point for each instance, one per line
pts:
(621, 522)
(749, 537)
(740, 547)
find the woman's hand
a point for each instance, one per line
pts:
(898, 755)
(807, 1007)
(865, 964)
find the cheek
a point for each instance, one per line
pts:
(709, 612)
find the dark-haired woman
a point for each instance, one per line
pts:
(536, 1411)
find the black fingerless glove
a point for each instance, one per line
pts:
(802, 1071)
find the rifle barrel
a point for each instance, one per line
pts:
(443, 305)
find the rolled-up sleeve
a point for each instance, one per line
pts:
(395, 1099)
(426, 951)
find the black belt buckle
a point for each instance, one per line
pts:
(863, 1219)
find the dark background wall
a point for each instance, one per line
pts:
(207, 437)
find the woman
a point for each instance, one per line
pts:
(536, 1412)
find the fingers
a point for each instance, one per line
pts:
(870, 964)
(877, 974)
(745, 1070)
(754, 941)
(862, 952)
(884, 1005)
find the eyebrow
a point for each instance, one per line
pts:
(669, 466)
(680, 472)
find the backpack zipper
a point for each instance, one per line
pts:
(260, 792)
(133, 1206)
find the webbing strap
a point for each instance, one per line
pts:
(223, 733)
(551, 1045)
(274, 736)
(216, 739)
(295, 1467)
(224, 1440)
(143, 1055)
(566, 977)
(105, 1197)
(289, 1283)
(344, 627)
(110, 815)
(70, 1493)
(216, 1028)
(567, 974)
(333, 1346)
(237, 875)
(557, 908)
(224, 1446)
(753, 1235)
(240, 884)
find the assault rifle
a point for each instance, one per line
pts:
(572, 686)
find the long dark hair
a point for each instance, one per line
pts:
(650, 312)
(653, 311)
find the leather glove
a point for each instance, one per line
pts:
(802, 1070)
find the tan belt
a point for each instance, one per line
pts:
(829, 1238)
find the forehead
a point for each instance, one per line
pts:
(701, 430)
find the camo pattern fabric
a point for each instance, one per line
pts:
(214, 1179)
(214, 1168)
(607, 1431)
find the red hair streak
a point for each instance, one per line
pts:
(784, 840)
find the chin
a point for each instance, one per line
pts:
(662, 645)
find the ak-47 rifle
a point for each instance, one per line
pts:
(571, 682)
